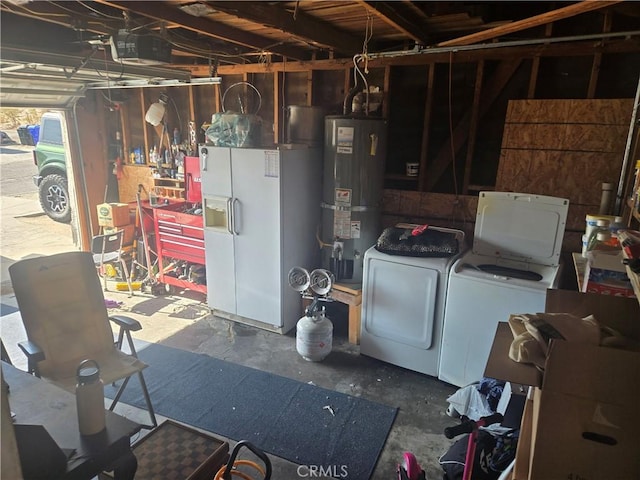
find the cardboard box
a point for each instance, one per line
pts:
(173, 450)
(605, 274)
(129, 232)
(587, 424)
(583, 415)
(523, 453)
(113, 214)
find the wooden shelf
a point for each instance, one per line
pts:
(397, 176)
(169, 188)
(168, 181)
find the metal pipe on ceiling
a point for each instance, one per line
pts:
(514, 43)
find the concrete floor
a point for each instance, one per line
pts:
(184, 321)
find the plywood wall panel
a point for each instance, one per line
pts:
(600, 111)
(131, 177)
(603, 111)
(560, 136)
(537, 111)
(595, 138)
(564, 148)
(532, 136)
(577, 176)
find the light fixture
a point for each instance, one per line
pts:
(206, 81)
(156, 111)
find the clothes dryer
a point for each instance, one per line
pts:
(515, 258)
(403, 301)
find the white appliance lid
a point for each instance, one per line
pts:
(520, 226)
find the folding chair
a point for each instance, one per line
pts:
(64, 315)
(107, 248)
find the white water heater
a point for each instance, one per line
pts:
(354, 158)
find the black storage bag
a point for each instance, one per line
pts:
(493, 455)
(452, 462)
(428, 243)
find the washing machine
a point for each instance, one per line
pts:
(403, 301)
(514, 259)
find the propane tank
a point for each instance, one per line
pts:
(90, 398)
(314, 336)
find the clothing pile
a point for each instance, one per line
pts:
(533, 332)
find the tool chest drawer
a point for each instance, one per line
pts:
(179, 239)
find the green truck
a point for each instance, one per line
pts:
(50, 158)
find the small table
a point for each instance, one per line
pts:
(350, 295)
(38, 402)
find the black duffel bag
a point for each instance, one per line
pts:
(421, 241)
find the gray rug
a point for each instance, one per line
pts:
(284, 417)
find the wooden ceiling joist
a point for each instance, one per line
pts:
(302, 25)
(535, 21)
(69, 15)
(207, 27)
(575, 49)
(391, 16)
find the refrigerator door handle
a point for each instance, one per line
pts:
(234, 202)
(203, 159)
(229, 216)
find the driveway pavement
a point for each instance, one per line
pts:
(24, 229)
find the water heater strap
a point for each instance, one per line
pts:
(342, 208)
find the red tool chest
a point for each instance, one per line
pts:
(180, 245)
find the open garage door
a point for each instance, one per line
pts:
(37, 78)
(40, 79)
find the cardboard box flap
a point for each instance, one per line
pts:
(501, 367)
(619, 313)
(606, 374)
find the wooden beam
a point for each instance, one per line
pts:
(145, 130)
(277, 111)
(124, 132)
(43, 15)
(473, 129)
(69, 16)
(535, 66)
(309, 99)
(386, 86)
(576, 49)
(426, 128)
(206, 27)
(347, 85)
(390, 15)
(597, 60)
(500, 78)
(535, 21)
(303, 26)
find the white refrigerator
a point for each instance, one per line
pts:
(261, 210)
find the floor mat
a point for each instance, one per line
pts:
(7, 309)
(303, 423)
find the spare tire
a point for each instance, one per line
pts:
(54, 198)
